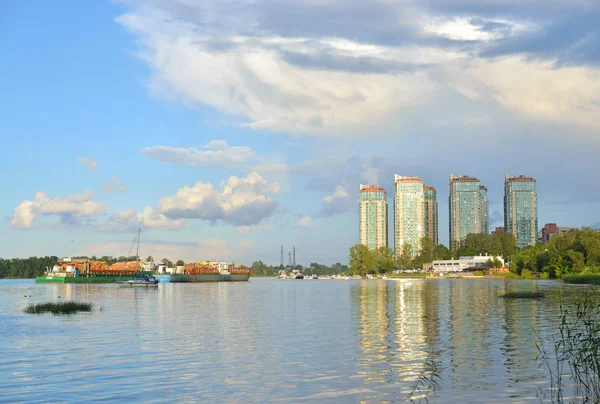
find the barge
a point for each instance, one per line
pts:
(82, 270)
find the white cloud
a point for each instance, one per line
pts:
(129, 220)
(214, 153)
(312, 76)
(114, 186)
(338, 202)
(241, 202)
(338, 195)
(534, 89)
(305, 222)
(89, 163)
(72, 210)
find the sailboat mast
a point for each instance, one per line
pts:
(137, 250)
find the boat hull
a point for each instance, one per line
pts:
(179, 278)
(82, 279)
(175, 278)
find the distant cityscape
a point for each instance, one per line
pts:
(416, 213)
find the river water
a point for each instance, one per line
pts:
(269, 340)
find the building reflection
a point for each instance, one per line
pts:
(521, 319)
(374, 332)
(397, 326)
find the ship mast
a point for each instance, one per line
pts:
(137, 250)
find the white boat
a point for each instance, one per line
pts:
(141, 282)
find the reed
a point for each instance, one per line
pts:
(426, 382)
(523, 295)
(576, 353)
(59, 308)
(591, 279)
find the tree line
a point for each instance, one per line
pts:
(575, 252)
(383, 261)
(25, 267)
(259, 268)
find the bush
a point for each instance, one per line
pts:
(526, 274)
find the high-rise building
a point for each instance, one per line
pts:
(468, 209)
(409, 213)
(520, 209)
(431, 214)
(373, 217)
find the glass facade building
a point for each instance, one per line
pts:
(520, 209)
(373, 217)
(409, 213)
(431, 214)
(468, 207)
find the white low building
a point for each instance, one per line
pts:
(462, 263)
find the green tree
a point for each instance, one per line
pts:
(405, 261)
(493, 262)
(362, 260)
(385, 260)
(179, 263)
(150, 259)
(426, 252)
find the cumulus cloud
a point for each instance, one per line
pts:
(383, 66)
(338, 202)
(73, 210)
(216, 153)
(241, 202)
(89, 163)
(130, 220)
(114, 186)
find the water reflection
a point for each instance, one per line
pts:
(290, 341)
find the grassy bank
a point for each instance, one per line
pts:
(59, 308)
(591, 279)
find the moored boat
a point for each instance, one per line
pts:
(140, 282)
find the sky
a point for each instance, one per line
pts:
(224, 129)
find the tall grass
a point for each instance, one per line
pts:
(576, 347)
(58, 308)
(592, 279)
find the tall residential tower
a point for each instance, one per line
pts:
(431, 214)
(409, 213)
(520, 209)
(468, 209)
(373, 217)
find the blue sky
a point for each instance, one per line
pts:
(226, 129)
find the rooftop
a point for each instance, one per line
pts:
(407, 179)
(371, 188)
(518, 178)
(462, 178)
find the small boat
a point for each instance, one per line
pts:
(140, 282)
(315, 277)
(299, 276)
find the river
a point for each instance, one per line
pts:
(271, 340)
